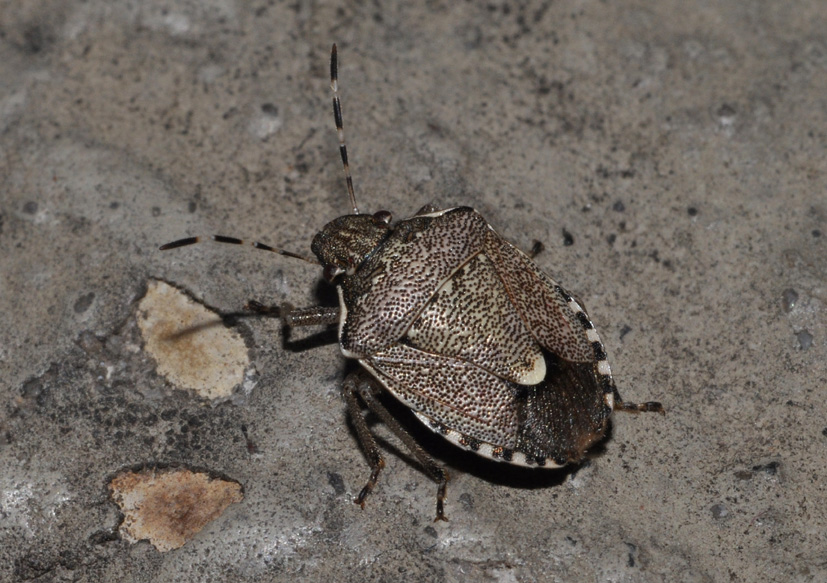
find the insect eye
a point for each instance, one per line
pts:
(383, 217)
(332, 271)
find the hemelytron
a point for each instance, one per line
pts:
(461, 327)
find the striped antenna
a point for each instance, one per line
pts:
(340, 130)
(233, 241)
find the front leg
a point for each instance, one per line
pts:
(293, 317)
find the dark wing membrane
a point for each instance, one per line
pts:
(564, 415)
(545, 312)
(471, 317)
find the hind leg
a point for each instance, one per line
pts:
(366, 388)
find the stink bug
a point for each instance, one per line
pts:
(461, 327)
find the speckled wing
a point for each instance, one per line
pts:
(471, 317)
(393, 285)
(544, 310)
(391, 290)
(451, 391)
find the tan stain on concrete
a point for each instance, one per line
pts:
(169, 507)
(192, 347)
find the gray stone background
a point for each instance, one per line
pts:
(681, 145)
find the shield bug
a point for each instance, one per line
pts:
(461, 327)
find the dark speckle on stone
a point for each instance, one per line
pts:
(34, 39)
(631, 557)
(692, 211)
(103, 536)
(788, 299)
(816, 233)
(270, 109)
(431, 531)
(805, 339)
(568, 238)
(719, 511)
(83, 302)
(336, 482)
(90, 344)
(624, 330)
(30, 207)
(618, 206)
(467, 500)
(156, 211)
(743, 475)
(770, 468)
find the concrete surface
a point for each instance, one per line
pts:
(680, 146)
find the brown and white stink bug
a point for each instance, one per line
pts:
(461, 327)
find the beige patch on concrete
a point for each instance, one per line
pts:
(169, 507)
(192, 347)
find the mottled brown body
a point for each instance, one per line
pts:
(465, 329)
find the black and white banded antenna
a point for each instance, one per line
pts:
(234, 241)
(340, 130)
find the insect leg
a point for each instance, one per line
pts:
(367, 388)
(648, 407)
(537, 247)
(351, 390)
(292, 317)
